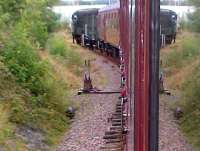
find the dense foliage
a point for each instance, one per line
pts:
(37, 23)
(23, 62)
(10, 10)
(195, 3)
(191, 120)
(188, 51)
(56, 46)
(25, 26)
(194, 18)
(182, 64)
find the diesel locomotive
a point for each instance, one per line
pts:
(168, 24)
(84, 22)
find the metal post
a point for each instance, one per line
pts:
(124, 53)
(86, 29)
(142, 89)
(163, 40)
(146, 77)
(82, 40)
(154, 75)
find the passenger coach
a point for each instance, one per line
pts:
(100, 28)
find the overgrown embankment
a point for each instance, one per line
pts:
(33, 93)
(181, 63)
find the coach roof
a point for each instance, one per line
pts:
(87, 11)
(109, 8)
(167, 11)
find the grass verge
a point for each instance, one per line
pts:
(182, 65)
(190, 123)
(182, 53)
(9, 92)
(57, 46)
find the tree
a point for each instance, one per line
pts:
(195, 2)
(12, 9)
(195, 17)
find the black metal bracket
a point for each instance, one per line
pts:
(95, 91)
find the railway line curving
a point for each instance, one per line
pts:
(93, 118)
(90, 123)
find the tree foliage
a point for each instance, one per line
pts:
(12, 9)
(195, 2)
(194, 18)
(24, 27)
(35, 16)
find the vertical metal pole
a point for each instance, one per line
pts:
(154, 74)
(86, 29)
(146, 71)
(125, 49)
(142, 87)
(130, 137)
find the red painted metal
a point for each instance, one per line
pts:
(139, 68)
(125, 49)
(142, 75)
(108, 25)
(124, 33)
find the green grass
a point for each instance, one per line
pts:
(18, 107)
(46, 112)
(9, 91)
(183, 55)
(30, 93)
(190, 123)
(57, 46)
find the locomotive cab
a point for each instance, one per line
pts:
(168, 23)
(84, 29)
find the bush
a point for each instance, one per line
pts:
(12, 8)
(194, 21)
(23, 62)
(35, 27)
(34, 75)
(43, 103)
(194, 18)
(51, 19)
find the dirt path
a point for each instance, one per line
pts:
(171, 138)
(90, 123)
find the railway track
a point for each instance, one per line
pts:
(103, 53)
(115, 137)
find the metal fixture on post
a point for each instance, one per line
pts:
(87, 83)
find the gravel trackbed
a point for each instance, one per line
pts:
(88, 128)
(90, 123)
